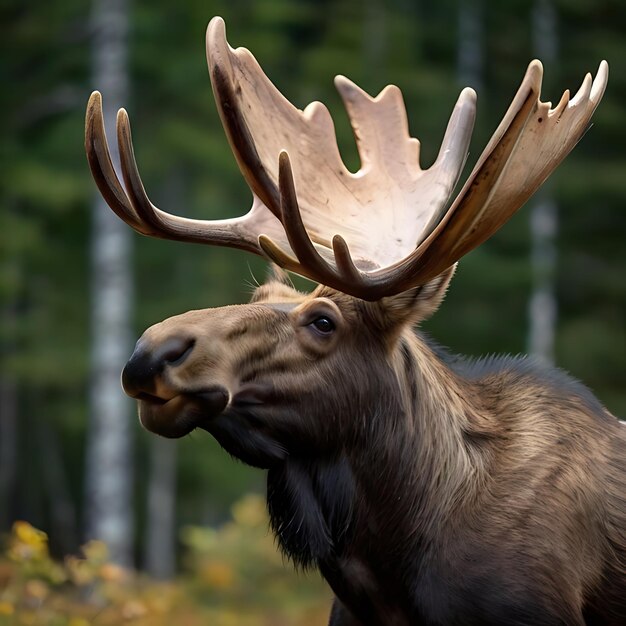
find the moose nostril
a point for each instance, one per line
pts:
(147, 363)
(139, 373)
(174, 350)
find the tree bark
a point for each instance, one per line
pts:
(543, 309)
(109, 478)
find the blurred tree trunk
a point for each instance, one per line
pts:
(55, 481)
(470, 44)
(8, 406)
(544, 212)
(8, 447)
(160, 546)
(109, 478)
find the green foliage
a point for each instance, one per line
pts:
(238, 565)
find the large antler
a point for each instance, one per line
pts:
(378, 231)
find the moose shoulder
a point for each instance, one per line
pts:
(427, 490)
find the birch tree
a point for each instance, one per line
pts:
(109, 473)
(160, 546)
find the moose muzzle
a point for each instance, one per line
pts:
(163, 408)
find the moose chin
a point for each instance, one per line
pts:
(427, 489)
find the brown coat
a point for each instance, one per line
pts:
(426, 489)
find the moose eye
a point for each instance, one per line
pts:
(323, 325)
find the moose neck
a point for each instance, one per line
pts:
(417, 433)
(437, 445)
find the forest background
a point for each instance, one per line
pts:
(551, 282)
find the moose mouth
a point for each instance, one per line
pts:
(178, 416)
(233, 421)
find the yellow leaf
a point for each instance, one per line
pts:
(27, 542)
(26, 533)
(217, 574)
(96, 551)
(6, 608)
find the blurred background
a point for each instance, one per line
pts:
(77, 286)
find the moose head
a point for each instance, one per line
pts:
(426, 490)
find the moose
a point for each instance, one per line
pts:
(426, 488)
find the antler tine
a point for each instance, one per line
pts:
(423, 263)
(146, 211)
(599, 84)
(161, 224)
(235, 123)
(101, 165)
(133, 205)
(490, 197)
(310, 261)
(346, 277)
(165, 225)
(350, 274)
(475, 215)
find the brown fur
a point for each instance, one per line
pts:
(427, 490)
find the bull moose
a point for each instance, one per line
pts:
(427, 489)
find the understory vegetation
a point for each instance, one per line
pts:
(230, 576)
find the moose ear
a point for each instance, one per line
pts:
(416, 304)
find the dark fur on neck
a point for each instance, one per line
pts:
(311, 508)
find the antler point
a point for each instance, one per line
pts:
(468, 94)
(216, 27)
(94, 109)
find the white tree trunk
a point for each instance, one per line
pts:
(109, 478)
(543, 310)
(160, 547)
